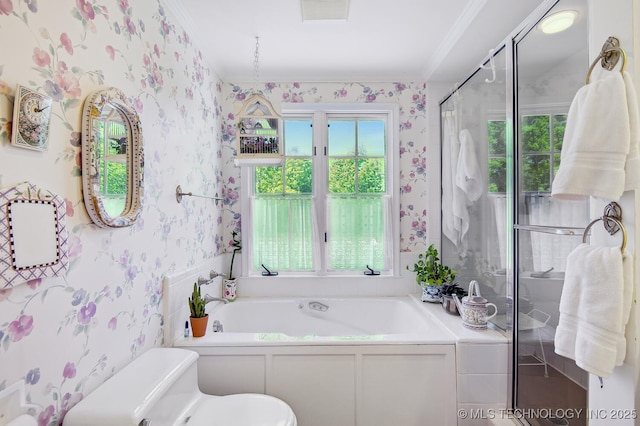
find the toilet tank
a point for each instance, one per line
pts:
(161, 385)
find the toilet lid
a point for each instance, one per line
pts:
(242, 410)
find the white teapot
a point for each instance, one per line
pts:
(474, 308)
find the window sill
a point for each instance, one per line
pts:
(326, 286)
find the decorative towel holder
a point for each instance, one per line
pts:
(612, 220)
(609, 57)
(180, 194)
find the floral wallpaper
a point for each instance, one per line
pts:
(66, 335)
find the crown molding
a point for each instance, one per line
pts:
(459, 28)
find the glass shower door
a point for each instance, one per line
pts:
(550, 68)
(475, 212)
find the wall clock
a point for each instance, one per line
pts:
(31, 119)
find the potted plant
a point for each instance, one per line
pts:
(431, 274)
(449, 291)
(199, 317)
(229, 284)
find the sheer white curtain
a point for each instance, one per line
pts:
(359, 232)
(284, 233)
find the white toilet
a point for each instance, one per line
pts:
(160, 388)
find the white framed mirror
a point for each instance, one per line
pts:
(112, 159)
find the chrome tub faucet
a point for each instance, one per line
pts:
(208, 299)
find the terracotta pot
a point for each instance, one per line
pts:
(199, 325)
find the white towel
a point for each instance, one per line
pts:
(594, 308)
(468, 175)
(596, 142)
(455, 217)
(632, 167)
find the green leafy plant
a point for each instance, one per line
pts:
(430, 271)
(197, 303)
(237, 246)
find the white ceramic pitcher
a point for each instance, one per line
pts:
(474, 308)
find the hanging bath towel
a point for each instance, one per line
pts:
(594, 308)
(455, 217)
(632, 167)
(596, 142)
(468, 175)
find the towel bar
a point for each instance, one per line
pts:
(609, 56)
(556, 230)
(606, 219)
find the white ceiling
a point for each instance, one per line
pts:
(382, 40)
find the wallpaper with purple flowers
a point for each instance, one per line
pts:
(64, 336)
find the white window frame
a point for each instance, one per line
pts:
(318, 113)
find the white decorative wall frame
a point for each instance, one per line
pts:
(33, 235)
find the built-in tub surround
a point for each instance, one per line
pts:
(326, 320)
(358, 345)
(482, 368)
(336, 361)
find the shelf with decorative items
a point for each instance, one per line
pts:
(258, 140)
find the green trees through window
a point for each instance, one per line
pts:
(541, 144)
(351, 169)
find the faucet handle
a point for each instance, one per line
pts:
(213, 274)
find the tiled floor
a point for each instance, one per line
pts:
(553, 394)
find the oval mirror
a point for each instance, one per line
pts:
(112, 159)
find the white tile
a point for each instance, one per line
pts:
(480, 414)
(482, 388)
(480, 358)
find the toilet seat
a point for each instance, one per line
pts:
(242, 410)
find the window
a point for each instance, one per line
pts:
(329, 209)
(541, 145)
(112, 165)
(497, 137)
(541, 137)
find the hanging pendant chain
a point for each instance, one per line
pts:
(256, 62)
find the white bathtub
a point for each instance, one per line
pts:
(360, 362)
(345, 321)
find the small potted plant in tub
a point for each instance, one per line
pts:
(431, 274)
(199, 317)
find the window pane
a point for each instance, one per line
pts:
(536, 170)
(371, 138)
(116, 178)
(282, 233)
(559, 124)
(356, 233)
(556, 163)
(342, 138)
(497, 137)
(535, 133)
(298, 137)
(299, 176)
(268, 180)
(371, 176)
(342, 175)
(498, 174)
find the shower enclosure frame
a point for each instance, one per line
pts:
(513, 176)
